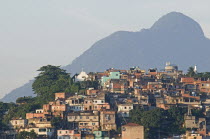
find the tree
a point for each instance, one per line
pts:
(158, 121)
(151, 120)
(88, 84)
(190, 72)
(56, 122)
(19, 111)
(4, 107)
(24, 100)
(27, 135)
(198, 113)
(50, 80)
(176, 118)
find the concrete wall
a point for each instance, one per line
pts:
(132, 132)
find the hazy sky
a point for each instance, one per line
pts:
(34, 33)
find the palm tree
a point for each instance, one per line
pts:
(190, 72)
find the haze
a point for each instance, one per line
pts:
(34, 33)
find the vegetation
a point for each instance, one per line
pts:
(158, 122)
(88, 84)
(198, 113)
(83, 85)
(56, 122)
(25, 100)
(4, 107)
(19, 111)
(27, 135)
(191, 73)
(50, 80)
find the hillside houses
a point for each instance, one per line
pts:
(105, 109)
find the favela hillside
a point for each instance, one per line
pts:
(130, 103)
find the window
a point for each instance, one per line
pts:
(80, 117)
(42, 130)
(93, 123)
(102, 101)
(66, 132)
(87, 117)
(94, 117)
(107, 117)
(70, 117)
(95, 101)
(125, 107)
(81, 123)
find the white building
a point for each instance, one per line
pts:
(124, 109)
(81, 77)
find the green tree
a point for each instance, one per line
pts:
(19, 111)
(159, 122)
(4, 107)
(151, 120)
(27, 135)
(190, 72)
(176, 119)
(50, 80)
(56, 122)
(198, 113)
(88, 84)
(24, 100)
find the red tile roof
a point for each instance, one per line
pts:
(132, 124)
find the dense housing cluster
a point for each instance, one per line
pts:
(106, 111)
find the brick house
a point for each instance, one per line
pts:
(107, 120)
(87, 120)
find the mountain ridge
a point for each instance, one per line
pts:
(175, 37)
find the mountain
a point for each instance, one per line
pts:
(25, 90)
(175, 37)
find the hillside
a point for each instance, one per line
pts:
(175, 37)
(25, 90)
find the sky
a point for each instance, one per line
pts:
(35, 33)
